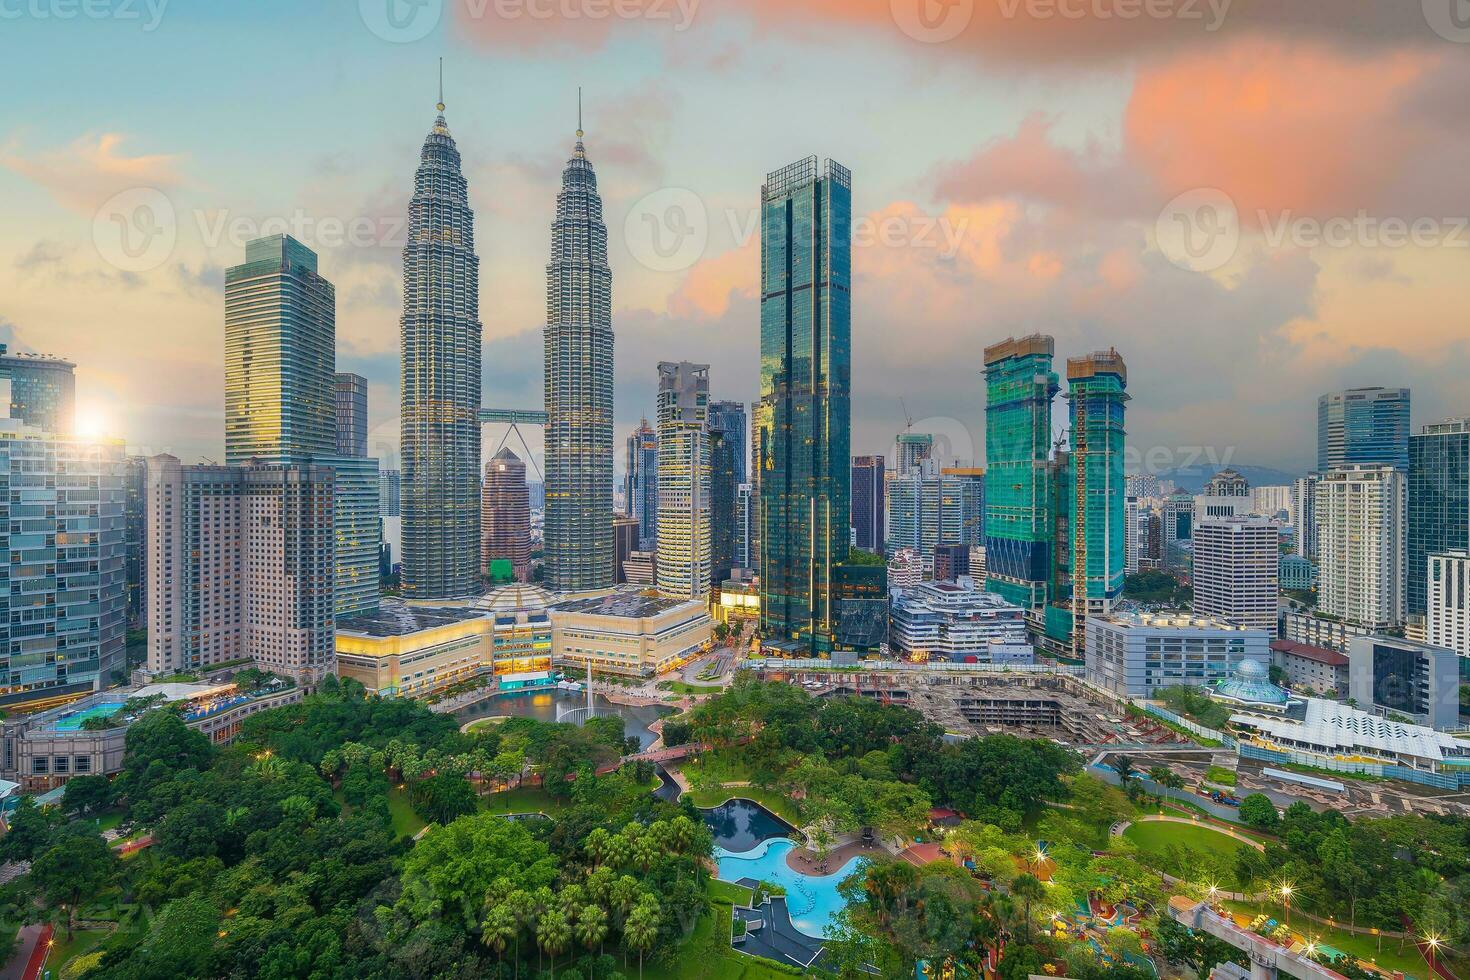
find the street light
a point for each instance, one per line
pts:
(1286, 891)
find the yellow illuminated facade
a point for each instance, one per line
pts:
(414, 652)
(629, 633)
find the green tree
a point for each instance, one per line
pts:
(86, 794)
(1257, 811)
(553, 934)
(1028, 888)
(77, 864)
(451, 868)
(641, 929)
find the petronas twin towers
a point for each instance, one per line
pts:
(440, 346)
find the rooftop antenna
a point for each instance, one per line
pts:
(579, 112)
(441, 85)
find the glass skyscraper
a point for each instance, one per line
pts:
(802, 428)
(43, 390)
(280, 354)
(683, 480)
(1363, 425)
(869, 501)
(440, 346)
(1439, 501)
(579, 387)
(640, 487)
(727, 425)
(351, 415)
(1019, 495)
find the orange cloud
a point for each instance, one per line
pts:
(92, 169)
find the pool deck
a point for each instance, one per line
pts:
(804, 860)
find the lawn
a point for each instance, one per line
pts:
(1365, 948)
(715, 767)
(681, 687)
(84, 941)
(1184, 849)
(524, 799)
(406, 822)
(707, 955)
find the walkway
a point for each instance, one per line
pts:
(804, 859)
(30, 953)
(1267, 958)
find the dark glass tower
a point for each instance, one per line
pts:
(1363, 425)
(868, 502)
(727, 425)
(803, 420)
(640, 487)
(579, 387)
(440, 338)
(1439, 502)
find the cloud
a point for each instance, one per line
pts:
(93, 168)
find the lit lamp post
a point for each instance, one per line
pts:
(1286, 891)
(1036, 860)
(1213, 895)
(1433, 943)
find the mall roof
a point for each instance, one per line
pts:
(625, 604)
(398, 619)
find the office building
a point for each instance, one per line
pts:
(1271, 501)
(802, 427)
(952, 622)
(1420, 681)
(914, 449)
(1136, 515)
(1178, 518)
(684, 480)
(241, 560)
(352, 421)
(951, 561)
(1310, 668)
(869, 502)
(389, 493)
(63, 581)
(1304, 515)
(905, 568)
(1447, 623)
(440, 391)
(135, 523)
(640, 493)
(1439, 502)
(280, 355)
(42, 390)
(1363, 425)
(1235, 572)
(1216, 506)
(505, 516)
(1320, 631)
(1227, 483)
(1020, 525)
(1360, 527)
(1142, 485)
(971, 481)
(727, 451)
(1296, 572)
(578, 387)
(745, 505)
(1139, 654)
(625, 542)
(641, 568)
(356, 532)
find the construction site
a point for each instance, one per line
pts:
(1055, 705)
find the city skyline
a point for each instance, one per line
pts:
(1285, 306)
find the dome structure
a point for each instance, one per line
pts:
(1250, 684)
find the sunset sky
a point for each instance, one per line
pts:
(1019, 166)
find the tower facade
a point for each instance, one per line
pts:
(579, 387)
(727, 469)
(505, 515)
(1439, 501)
(1360, 544)
(868, 503)
(280, 354)
(1019, 497)
(43, 390)
(802, 428)
(1363, 425)
(440, 346)
(684, 480)
(351, 414)
(640, 483)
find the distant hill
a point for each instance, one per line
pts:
(1193, 478)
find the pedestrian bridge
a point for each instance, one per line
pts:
(1267, 959)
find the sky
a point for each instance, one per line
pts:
(1254, 201)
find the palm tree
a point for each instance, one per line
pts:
(592, 927)
(518, 903)
(1028, 888)
(553, 934)
(498, 928)
(646, 852)
(596, 845)
(642, 929)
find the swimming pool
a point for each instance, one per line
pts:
(73, 722)
(740, 824)
(812, 902)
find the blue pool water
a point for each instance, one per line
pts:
(739, 825)
(812, 902)
(73, 722)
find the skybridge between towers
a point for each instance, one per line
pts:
(515, 417)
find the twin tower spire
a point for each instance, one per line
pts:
(440, 104)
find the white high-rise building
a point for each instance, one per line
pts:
(1303, 514)
(683, 480)
(1270, 501)
(1448, 621)
(1136, 513)
(905, 569)
(1236, 570)
(1361, 550)
(1140, 653)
